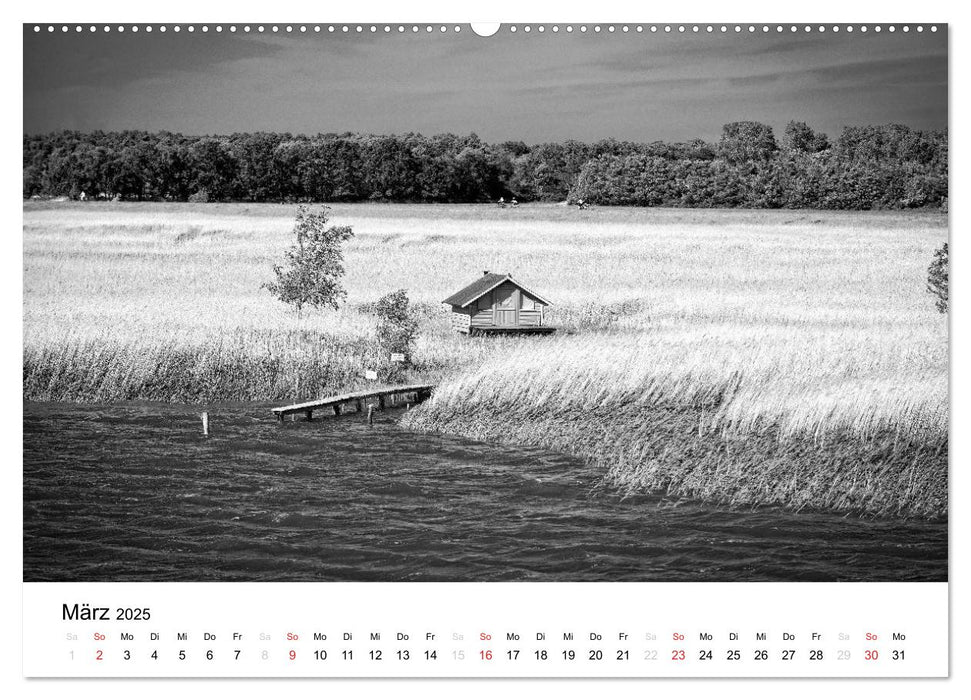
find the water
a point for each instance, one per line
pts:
(136, 493)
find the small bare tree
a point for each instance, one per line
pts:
(314, 266)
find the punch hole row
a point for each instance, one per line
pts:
(442, 29)
(722, 28)
(255, 28)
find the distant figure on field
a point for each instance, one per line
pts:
(581, 204)
(514, 202)
(82, 196)
(502, 202)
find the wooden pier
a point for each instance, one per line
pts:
(411, 393)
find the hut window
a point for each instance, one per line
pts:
(527, 303)
(483, 303)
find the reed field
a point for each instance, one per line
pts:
(745, 357)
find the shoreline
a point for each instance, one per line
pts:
(664, 450)
(876, 479)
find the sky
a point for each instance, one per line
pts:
(511, 86)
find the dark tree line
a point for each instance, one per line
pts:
(866, 167)
(872, 167)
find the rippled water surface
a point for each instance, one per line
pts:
(135, 492)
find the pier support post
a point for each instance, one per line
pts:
(310, 415)
(370, 415)
(205, 423)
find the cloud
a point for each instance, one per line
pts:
(535, 88)
(76, 60)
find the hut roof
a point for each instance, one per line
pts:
(484, 285)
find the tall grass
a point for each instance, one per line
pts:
(751, 419)
(235, 368)
(750, 357)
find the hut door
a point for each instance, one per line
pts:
(507, 306)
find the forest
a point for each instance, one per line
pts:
(865, 167)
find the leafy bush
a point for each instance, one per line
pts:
(937, 278)
(397, 324)
(398, 321)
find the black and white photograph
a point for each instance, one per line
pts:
(466, 303)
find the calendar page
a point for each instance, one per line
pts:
(518, 350)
